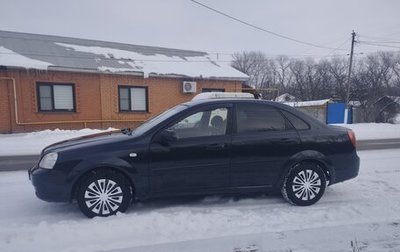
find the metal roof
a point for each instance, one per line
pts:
(72, 54)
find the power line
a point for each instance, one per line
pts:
(339, 47)
(151, 60)
(378, 44)
(260, 28)
(376, 37)
(271, 55)
(107, 59)
(377, 40)
(327, 44)
(146, 48)
(381, 42)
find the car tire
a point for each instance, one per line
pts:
(304, 185)
(103, 193)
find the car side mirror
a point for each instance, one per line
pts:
(166, 137)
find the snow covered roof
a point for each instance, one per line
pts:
(355, 103)
(308, 103)
(71, 54)
(396, 99)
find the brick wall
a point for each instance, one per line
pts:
(96, 99)
(5, 113)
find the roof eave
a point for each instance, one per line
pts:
(178, 76)
(133, 73)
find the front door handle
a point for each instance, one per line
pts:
(215, 147)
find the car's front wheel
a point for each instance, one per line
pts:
(304, 185)
(103, 193)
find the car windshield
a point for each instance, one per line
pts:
(158, 119)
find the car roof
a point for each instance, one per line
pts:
(234, 100)
(225, 100)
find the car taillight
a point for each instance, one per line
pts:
(352, 137)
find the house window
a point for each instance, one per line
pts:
(205, 90)
(56, 97)
(133, 99)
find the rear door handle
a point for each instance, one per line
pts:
(215, 147)
(286, 140)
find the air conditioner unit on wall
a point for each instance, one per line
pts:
(189, 87)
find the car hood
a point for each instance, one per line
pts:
(86, 141)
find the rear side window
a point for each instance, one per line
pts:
(258, 118)
(297, 123)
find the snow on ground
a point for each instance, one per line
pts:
(369, 131)
(33, 143)
(395, 119)
(364, 210)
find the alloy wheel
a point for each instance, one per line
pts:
(103, 196)
(306, 184)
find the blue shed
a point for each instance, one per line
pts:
(335, 113)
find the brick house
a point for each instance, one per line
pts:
(58, 82)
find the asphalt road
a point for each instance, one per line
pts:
(379, 144)
(14, 163)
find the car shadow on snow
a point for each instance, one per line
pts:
(55, 212)
(68, 211)
(205, 201)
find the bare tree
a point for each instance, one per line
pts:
(282, 74)
(374, 75)
(338, 69)
(258, 67)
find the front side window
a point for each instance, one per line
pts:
(133, 99)
(56, 97)
(204, 123)
(258, 118)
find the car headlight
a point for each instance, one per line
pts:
(49, 160)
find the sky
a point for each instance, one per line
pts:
(184, 24)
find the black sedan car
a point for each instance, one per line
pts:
(205, 146)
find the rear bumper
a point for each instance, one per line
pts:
(50, 185)
(347, 168)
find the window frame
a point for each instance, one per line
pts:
(51, 85)
(146, 110)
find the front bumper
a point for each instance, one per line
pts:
(50, 185)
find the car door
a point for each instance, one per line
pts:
(195, 157)
(262, 142)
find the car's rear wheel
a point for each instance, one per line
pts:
(304, 185)
(104, 193)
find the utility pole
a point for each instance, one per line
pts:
(346, 111)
